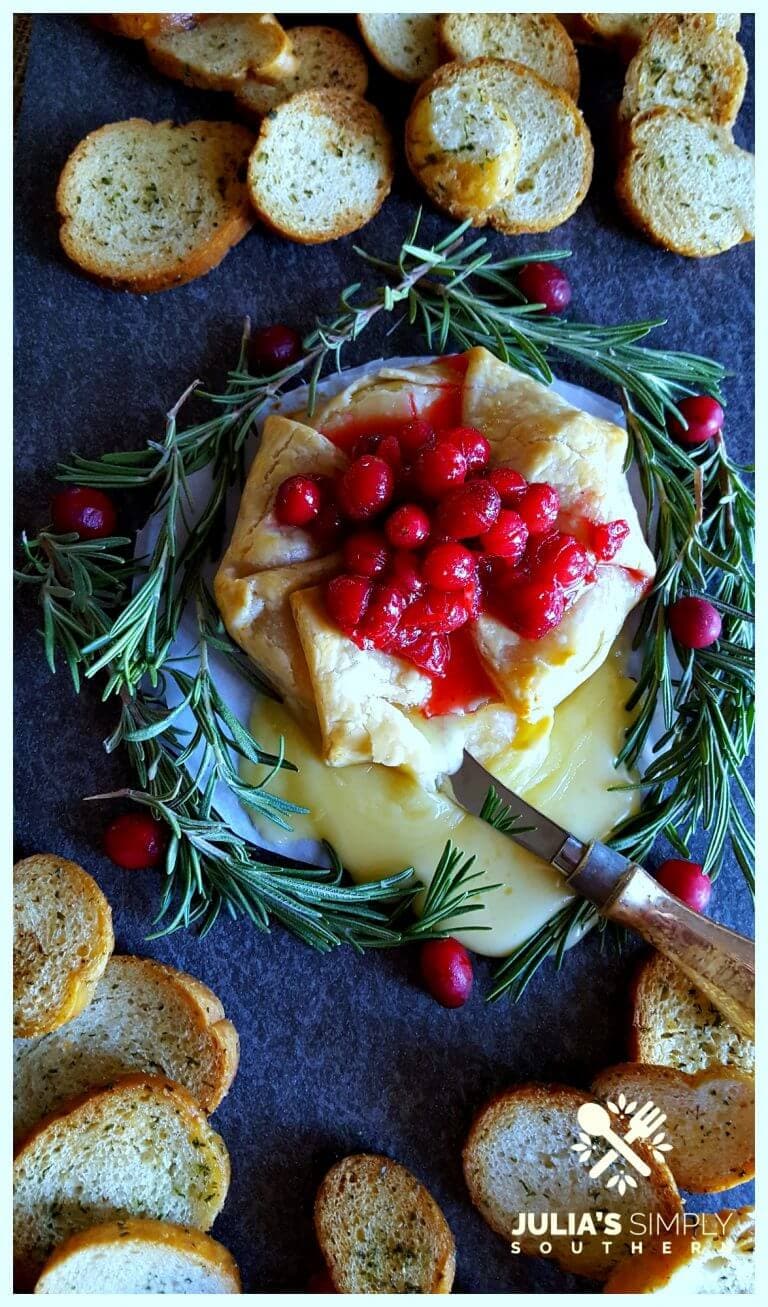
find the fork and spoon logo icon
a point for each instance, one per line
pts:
(595, 1123)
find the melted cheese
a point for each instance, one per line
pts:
(379, 820)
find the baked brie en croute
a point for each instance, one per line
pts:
(372, 703)
(439, 558)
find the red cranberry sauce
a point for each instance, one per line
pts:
(432, 535)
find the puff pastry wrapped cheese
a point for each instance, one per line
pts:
(369, 704)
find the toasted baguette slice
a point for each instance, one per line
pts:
(143, 1017)
(138, 26)
(322, 166)
(406, 45)
(674, 1024)
(717, 1258)
(710, 1119)
(520, 1157)
(380, 1231)
(141, 1147)
(147, 206)
(686, 185)
(326, 59)
(62, 939)
(556, 159)
(625, 32)
(687, 62)
(222, 50)
(137, 1256)
(462, 146)
(538, 41)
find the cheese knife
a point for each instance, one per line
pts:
(720, 962)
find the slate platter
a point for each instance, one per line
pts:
(339, 1053)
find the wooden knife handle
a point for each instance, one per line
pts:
(718, 961)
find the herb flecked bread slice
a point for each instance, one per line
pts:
(556, 157)
(148, 206)
(141, 1147)
(140, 1256)
(686, 185)
(710, 1119)
(519, 1157)
(674, 1024)
(322, 166)
(689, 62)
(222, 50)
(135, 27)
(538, 41)
(718, 1258)
(461, 143)
(143, 1017)
(625, 32)
(62, 940)
(380, 1231)
(326, 59)
(406, 45)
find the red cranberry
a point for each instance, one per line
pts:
(298, 501)
(447, 970)
(686, 881)
(509, 483)
(450, 567)
(545, 283)
(404, 572)
(382, 617)
(704, 416)
(136, 840)
(472, 443)
(430, 652)
(469, 511)
(90, 513)
(507, 537)
(437, 612)
(366, 553)
(407, 527)
(320, 1282)
(562, 560)
(274, 348)
(694, 623)
(414, 435)
(365, 487)
(539, 507)
(367, 444)
(438, 470)
(389, 449)
(328, 526)
(533, 609)
(347, 599)
(607, 538)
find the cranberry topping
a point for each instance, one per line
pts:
(545, 283)
(507, 537)
(414, 436)
(386, 607)
(366, 553)
(437, 612)
(365, 487)
(404, 571)
(510, 484)
(533, 608)
(539, 507)
(389, 449)
(136, 841)
(450, 567)
(686, 881)
(561, 560)
(704, 417)
(438, 470)
(695, 623)
(298, 501)
(89, 513)
(347, 599)
(606, 538)
(472, 443)
(274, 348)
(328, 525)
(407, 527)
(469, 511)
(447, 971)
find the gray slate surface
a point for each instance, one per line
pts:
(338, 1053)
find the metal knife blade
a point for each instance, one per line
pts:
(544, 837)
